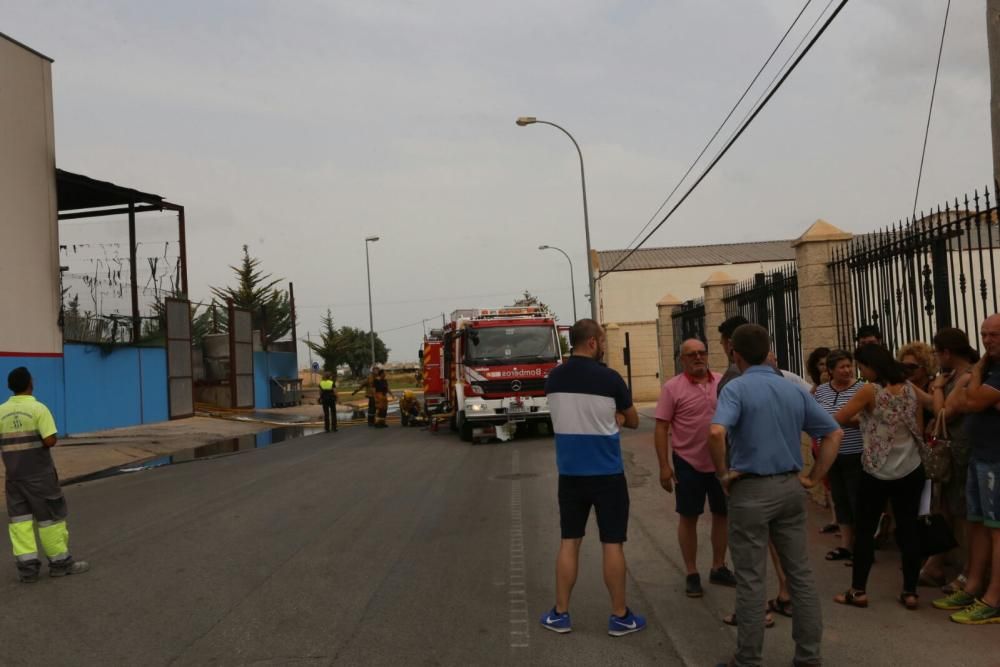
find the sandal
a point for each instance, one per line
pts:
(852, 598)
(909, 600)
(779, 606)
(840, 553)
(957, 585)
(731, 620)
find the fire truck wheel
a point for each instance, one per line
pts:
(464, 428)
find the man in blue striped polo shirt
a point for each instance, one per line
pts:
(589, 403)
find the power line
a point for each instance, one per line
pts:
(781, 69)
(735, 137)
(927, 130)
(729, 115)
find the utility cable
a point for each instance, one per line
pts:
(781, 69)
(729, 115)
(927, 130)
(735, 137)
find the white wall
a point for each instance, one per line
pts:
(29, 251)
(631, 296)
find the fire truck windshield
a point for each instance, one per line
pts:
(505, 345)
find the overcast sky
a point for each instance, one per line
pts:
(301, 127)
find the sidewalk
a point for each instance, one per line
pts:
(86, 453)
(883, 634)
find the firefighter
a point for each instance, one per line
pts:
(27, 433)
(382, 394)
(369, 386)
(409, 409)
(328, 398)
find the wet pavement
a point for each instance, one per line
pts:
(224, 447)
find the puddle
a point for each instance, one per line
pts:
(216, 449)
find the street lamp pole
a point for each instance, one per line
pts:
(371, 319)
(572, 283)
(531, 120)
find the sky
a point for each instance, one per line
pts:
(299, 128)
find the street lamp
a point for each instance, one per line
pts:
(531, 120)
(572, 285)
(371, 319)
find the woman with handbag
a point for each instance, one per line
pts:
(956, 358)
(891, 426)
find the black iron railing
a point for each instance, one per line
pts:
(689, 322)
(772, 301)
(918, 276)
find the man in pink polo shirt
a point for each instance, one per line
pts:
(683, 417)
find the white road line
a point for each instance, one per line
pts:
(516, 590)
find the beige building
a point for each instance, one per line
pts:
(29, 255)
(631, 292)
(628, 297)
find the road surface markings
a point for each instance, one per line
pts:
(516, 586)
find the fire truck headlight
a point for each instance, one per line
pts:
(477, 407)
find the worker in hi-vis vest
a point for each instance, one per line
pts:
(328, 398)
(27, 433)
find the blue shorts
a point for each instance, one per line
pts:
(692, 486)
(982, 493)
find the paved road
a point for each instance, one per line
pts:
(396, 547)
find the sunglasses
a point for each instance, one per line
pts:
(911, 367)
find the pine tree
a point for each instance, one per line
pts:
(346, 346)
(270, 309)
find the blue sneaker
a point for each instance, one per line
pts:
(557, 622)
(619, 626)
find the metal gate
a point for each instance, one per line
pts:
(240, 357)
(912, 279)
(772, 301)
(180, 380)
(689, 322)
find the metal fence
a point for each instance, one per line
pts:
(914, 278)
(110, 329)
(689, 322)
(772, 301)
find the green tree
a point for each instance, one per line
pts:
(270, 309)
(346, 346)
(529, 299)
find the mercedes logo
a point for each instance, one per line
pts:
(516, 385)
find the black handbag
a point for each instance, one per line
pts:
(935, 535)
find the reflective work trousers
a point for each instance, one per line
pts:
(381, 408)
(37, 501)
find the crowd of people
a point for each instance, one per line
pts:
(897, 437)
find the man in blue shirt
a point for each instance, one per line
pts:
(764, 416)
(589, 403)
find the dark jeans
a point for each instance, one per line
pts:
(371, 410)
(904, 494)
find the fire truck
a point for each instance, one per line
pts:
(487, 369)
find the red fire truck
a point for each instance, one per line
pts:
(488, 369)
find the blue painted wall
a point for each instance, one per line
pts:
(109, 389)
(155, 407)
(47, 373)
(88, 389)
(267, 365)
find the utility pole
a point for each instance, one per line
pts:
(993, 43)
(312, 374)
